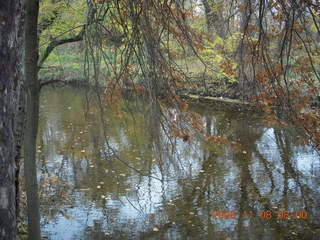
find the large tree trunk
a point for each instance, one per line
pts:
(214, 18)
(10, 96)
(247, 85)
(32, 117)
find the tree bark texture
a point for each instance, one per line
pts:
(11, 93)
(247, 85)
(214, 19)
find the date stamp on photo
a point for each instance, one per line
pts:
(265, 214)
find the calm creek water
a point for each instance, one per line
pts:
(152, 187)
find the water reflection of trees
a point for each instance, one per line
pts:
(191, 179)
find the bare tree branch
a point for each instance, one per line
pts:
(42, 84)
(56, 43)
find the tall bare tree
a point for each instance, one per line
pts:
(32, 116)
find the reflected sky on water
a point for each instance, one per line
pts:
(151, 186)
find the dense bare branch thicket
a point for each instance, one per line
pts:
(269, 50)
(283, 41)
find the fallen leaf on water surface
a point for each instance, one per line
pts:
(67, 216)
(156, 229)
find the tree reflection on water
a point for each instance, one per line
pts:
(151, 186)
